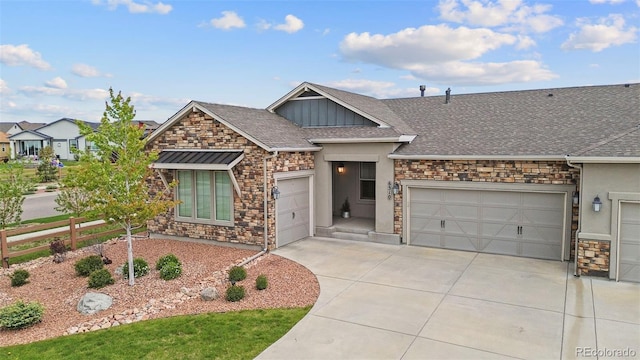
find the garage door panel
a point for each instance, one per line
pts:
(502, 222)
(629, 244)
(460, 243)
(293, 218)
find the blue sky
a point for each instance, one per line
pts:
(59, 58)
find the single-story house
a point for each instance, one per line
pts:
(62, 135)
(5, 151)
(523, 173)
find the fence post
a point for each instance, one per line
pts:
(5, 248)
(72, 232)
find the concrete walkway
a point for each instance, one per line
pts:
(403, 302)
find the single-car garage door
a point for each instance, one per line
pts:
(629, 246)
(293, 210)
(528, 224)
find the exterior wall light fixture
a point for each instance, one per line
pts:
(396, 188)
(275, 193)
(341, 168)
(576, 198)
(597, 204)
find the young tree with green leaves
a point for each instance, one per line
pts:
(116, 175)
(13, 185)
(74, 197)
(48, 168)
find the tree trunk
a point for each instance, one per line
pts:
(132, 280)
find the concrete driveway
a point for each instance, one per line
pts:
(403, 302)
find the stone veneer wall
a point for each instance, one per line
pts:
(593, 257)
(200, 131)
(524, 172)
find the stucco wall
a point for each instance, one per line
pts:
(200, 131)
(367, 152)
(598, 232)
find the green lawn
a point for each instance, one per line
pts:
(232, 335)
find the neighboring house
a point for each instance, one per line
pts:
(10, 128)
(509, 173)
(5, 150)
(149, 126)
(62, 135)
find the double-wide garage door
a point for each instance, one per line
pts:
(529, 224)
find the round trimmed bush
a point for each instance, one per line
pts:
(169, 258)
(89, 264)
(19, 277)
(170, 270)
(100, 278)
(261, 282)
(140, 268)
(235, 293)
(20, 315)
(237, 273)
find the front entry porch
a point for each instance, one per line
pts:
(355, 228)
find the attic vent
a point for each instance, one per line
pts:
(626, 85)
(422, 89)
(447, 98)
(550, 95)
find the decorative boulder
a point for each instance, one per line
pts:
(92, 302)
(208, 294)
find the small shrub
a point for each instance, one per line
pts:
(100, 278)
(57, 247)
(235, 293)
(89, 264)
(237, 273)
(20, 315)
(19, 277)
(169, 258)
(170, 270)
(261, 282)
(140, 268)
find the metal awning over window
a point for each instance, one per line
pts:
(213, 160)
(198, 159)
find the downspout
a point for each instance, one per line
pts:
(266, 212)
(575, 251)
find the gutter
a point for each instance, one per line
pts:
(402, 138)
(578, 230)
(478, 157)
(266, 212)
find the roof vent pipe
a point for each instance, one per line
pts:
(448, 96)
(422, 89)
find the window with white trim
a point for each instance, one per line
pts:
(205, 196)
(367, 181)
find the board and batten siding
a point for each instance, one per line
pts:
(320, 113)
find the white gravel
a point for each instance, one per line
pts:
(204, 265)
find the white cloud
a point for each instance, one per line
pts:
(606, 32)
(465, 73)
(56, 83)
(445, 55)
(612, 2)
(73, 94)
(291, 25)
(427, 44)
(525, 42)
(13, 55)
(228, 21)
(84, 70)
(4, 88)
(137, 7)
(379, 89)
(512, 14)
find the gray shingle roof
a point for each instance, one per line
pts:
(546, 122)
(626, 144)
(270, 129)
(371, 106)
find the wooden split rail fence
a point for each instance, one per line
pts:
(70, 231)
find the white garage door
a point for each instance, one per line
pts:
(629, 245)
(292, 221)
(501, 222)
